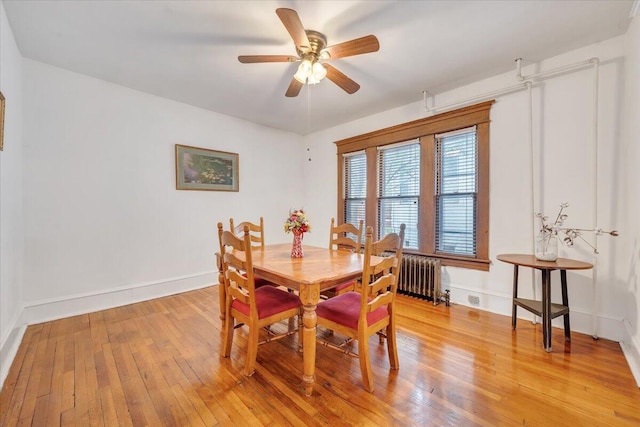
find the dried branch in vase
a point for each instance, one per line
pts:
(571, 234)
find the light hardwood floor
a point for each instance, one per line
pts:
(158, 363)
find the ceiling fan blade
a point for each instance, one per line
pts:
(341, 79)
(294, 88)
(293, 24)
(252, 59)
(366, 44)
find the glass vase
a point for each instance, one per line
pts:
(546, 246)
(296, 248)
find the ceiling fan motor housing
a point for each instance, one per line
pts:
(317, 42)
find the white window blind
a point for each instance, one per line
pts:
(456, 165)
(399, 190)
(355, 186)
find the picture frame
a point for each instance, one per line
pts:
(204, 169)
(1, 121)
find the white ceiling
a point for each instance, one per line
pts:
(187, 50)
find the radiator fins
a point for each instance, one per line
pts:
(420, 277)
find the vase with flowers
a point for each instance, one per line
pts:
(298, 224)
(546, 242)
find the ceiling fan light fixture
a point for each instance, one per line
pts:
(310, 72)
(319, 72)
(305, 69)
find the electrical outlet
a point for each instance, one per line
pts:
(474, 300)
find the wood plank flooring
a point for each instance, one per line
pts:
(158, 363)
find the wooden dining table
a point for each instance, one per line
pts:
(320, 269)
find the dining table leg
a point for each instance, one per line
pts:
(310, 296)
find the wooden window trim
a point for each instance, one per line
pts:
(440, 123)
(425, 129)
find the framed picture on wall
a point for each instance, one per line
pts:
(1, 121)
(203, 169)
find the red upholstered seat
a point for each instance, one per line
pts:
(269, 301)
(345, 310)
(260, 282)
(347, 285)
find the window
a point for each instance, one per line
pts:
(432, 175)
(399, 190)
(355, 187)
(456, 165)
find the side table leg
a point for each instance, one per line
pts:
(565, 302)
(546, 309)
(514, 307)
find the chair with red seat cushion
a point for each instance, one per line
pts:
(358, 315)
(391, 243)
(339, 240)
(257, 308)
(256, 232)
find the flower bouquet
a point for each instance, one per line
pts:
(298, 224)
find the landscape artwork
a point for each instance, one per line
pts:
(204, 169)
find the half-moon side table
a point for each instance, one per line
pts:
(544, 308)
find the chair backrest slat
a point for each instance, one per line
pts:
(380, 300)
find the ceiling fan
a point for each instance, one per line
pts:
(312, 48)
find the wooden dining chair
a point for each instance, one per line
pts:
(256, 308)
(358, 315)
(256, 231)
(391, 244)
(339, 240)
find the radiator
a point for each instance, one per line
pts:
(420, 277)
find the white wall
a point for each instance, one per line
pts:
(104, 223)
(563, 134)
(11, 196)
(630, 258)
